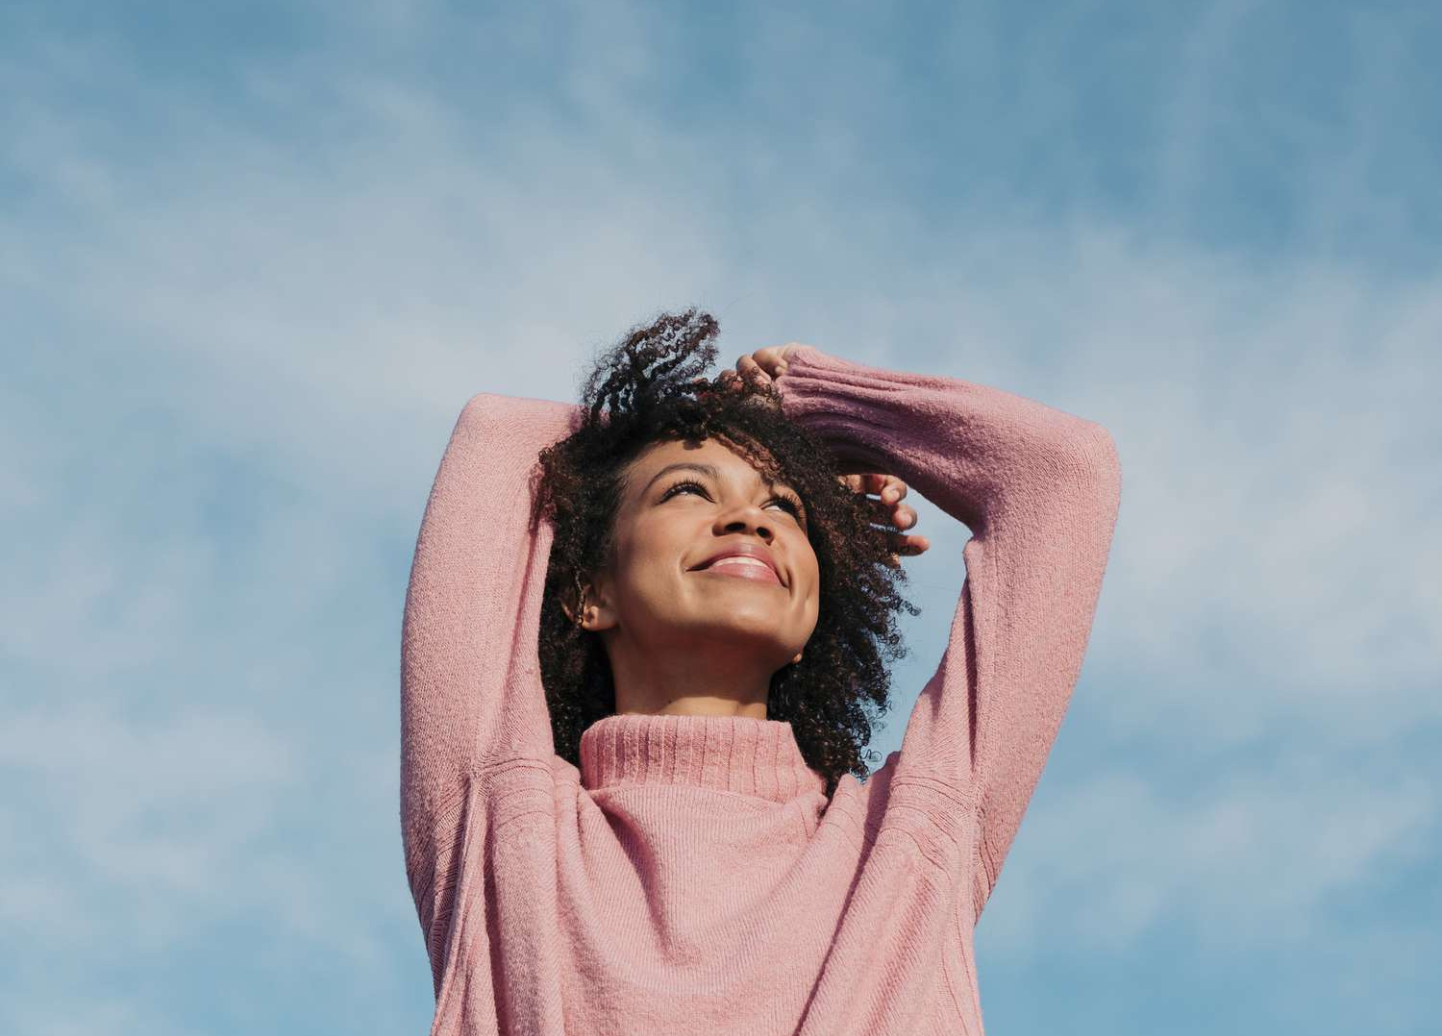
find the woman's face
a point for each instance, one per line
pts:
(682, 503)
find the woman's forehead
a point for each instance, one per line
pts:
(711, 457)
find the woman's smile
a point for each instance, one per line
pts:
(744, 568)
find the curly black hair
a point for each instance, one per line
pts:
(649, 388)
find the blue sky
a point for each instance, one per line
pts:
(255, 258)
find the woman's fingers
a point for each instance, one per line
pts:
(905, 518)
(899, 515)
(888, 509)
(772, 359)
(910, 546)
(751, 370)
(888, 487)
(764, 365)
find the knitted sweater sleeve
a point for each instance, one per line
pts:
(1040, 490)
(471, 694)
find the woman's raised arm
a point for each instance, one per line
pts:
(471, 692)
(1040, 491)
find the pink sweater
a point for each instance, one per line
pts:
(691, 878)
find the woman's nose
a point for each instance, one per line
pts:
(752, 518)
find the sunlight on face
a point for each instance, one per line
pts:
(682, 503)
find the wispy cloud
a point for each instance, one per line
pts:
(1251, 858)
(251, 300)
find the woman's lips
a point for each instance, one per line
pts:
(743, 568)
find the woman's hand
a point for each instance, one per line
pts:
(762, 366)
(765, 365)
(889, 509)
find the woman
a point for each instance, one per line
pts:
(633, 794)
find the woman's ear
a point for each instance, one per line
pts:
(593, 611)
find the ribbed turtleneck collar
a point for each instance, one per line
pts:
(741, 754)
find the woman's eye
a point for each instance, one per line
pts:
(683, 485)
(789, 504)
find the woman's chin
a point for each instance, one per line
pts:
(742, 623)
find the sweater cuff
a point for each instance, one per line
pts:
(846, 405)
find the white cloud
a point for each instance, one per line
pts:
(319, 309)
(1248, 859)
(154, 810)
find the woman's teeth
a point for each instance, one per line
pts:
(744, 566)
(740, 561)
